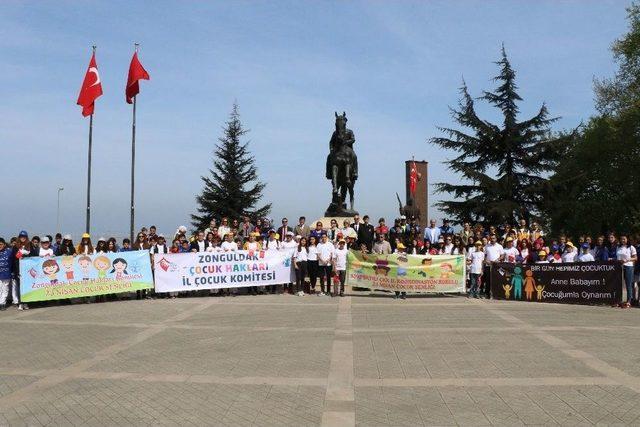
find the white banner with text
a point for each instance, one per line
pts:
(217, 270)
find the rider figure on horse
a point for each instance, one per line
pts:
(342, 167)
(342, 141)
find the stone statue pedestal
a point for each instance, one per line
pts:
(335, 210)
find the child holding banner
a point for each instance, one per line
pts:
(340, 266)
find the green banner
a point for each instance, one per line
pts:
(409, 273)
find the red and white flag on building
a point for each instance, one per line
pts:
(413, 178)
(136, 73)
(91, 88)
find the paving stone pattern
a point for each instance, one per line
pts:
(281, 360)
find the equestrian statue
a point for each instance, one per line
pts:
(342, 168)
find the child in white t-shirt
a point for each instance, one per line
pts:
(475, 261)
(586, 255)
(340, 265)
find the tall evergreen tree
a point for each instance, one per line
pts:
(595, 188)
(501, 165)
(620, 94)
(232, 189)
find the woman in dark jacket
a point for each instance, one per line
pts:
(23, 249)
(66, 247)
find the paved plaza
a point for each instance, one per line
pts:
(285, 360)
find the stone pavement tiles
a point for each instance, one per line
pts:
(278, 360)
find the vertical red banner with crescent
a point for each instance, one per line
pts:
(413, 178)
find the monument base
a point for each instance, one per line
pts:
(335, 210)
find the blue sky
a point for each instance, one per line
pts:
(394, 67)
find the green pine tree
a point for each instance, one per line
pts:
(595, 188)
(501, 165)
(621, 94)
(232, 189)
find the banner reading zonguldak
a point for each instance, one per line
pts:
(215, 270)
(410, 273)
(63, 277)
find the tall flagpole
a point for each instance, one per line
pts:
(133, 162)
(88, 224)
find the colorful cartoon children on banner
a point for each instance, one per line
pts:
(539, 289)
(67, 266)
(516, 281)
(446, 270)
(382, 267)
(507, 290)
(102, 264)
(50, 269)
(119, 268)
(402, 260)
(84, 262)
(529, 285)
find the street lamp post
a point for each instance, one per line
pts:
(58, 214)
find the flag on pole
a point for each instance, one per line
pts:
(136, 73)
(413, 178)
(91, 88)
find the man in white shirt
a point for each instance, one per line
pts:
(493, 253)
(325, 257)
(475, 261)
(340, 265)
(510, 252)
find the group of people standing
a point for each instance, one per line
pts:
(319, 251)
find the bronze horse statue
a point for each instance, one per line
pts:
(342, 167)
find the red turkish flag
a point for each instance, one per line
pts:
(91, 88)
(413, 178)
(136, 72)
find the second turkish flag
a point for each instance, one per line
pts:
(136, 73)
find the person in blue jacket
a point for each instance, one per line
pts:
(599, 251)
(6, 272)
(612, 248)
